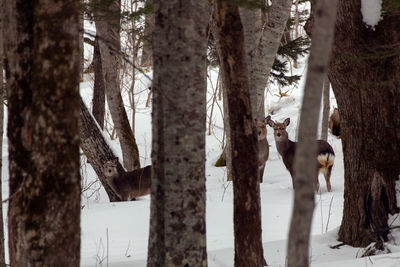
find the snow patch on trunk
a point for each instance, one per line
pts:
(371, 12)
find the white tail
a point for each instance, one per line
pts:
(263, 147)
(325, 156)
(128, 185)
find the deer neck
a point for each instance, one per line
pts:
(283, 146)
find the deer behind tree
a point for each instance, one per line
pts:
(286, 148)
(334, 122)
(128, 185)
(263, 147)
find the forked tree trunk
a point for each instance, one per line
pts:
(305, 165)
(107, 20)
(42, 46)
(247, 207)
(177, 221)
(364, 72)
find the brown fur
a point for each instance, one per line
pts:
(334, 122)
(128, 185)
(286, 148)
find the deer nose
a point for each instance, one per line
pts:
(278, 134)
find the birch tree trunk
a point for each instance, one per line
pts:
(247, 207)
(43, 63)
(107, 20)
(177, 221)
(147, 57)
(305, 168)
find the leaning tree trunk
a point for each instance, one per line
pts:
(305, 165)
(177, 222)
(95, 147)
(107, 20)
(247, 206)
(364, 73)
(43, 63)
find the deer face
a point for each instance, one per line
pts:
(261, 130)
(110, 168)
(280, 133)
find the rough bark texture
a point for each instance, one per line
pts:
(305, 164)
(107, 22)
(42, 48)
(95, 147)
(2, 93)
(99, 93)
(325, 109)
(364, 72)
(177, 222)
(247, 210)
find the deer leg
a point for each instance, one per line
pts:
(261, 172)
(327, 175)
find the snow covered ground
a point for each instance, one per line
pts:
(116, 234)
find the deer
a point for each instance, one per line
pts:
(334, 122)
(128, 185)
(286, 148)
(263, 147)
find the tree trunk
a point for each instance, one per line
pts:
(364, 75)
(107, 20)
(177, 222)
(147, 57)
(95, 147)
(2, 93)
(99, 94)
(247, 208)
(305, 165)
(325, 109)
(42, 46)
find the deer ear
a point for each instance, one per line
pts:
(269, 121)
(286, 122)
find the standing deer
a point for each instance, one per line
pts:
(128, 185)
(263, 147)
(325, 156)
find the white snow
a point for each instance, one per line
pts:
(371, 12)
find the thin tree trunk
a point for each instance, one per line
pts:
(43, 63)
(99, 94)
(305, 168)
(247, 208)
(325, 109)
(364, 72)
(147, 57)
(95, 147)
(177, 221)
(2, 94)
(107, 28)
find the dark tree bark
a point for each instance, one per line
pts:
(364, 72)
(177, 221)
(107, 20)
(305, 165)
(247, 210)
(99, 95)
(2, 92)
(95, 147)
(42, 48)
(325, 109)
